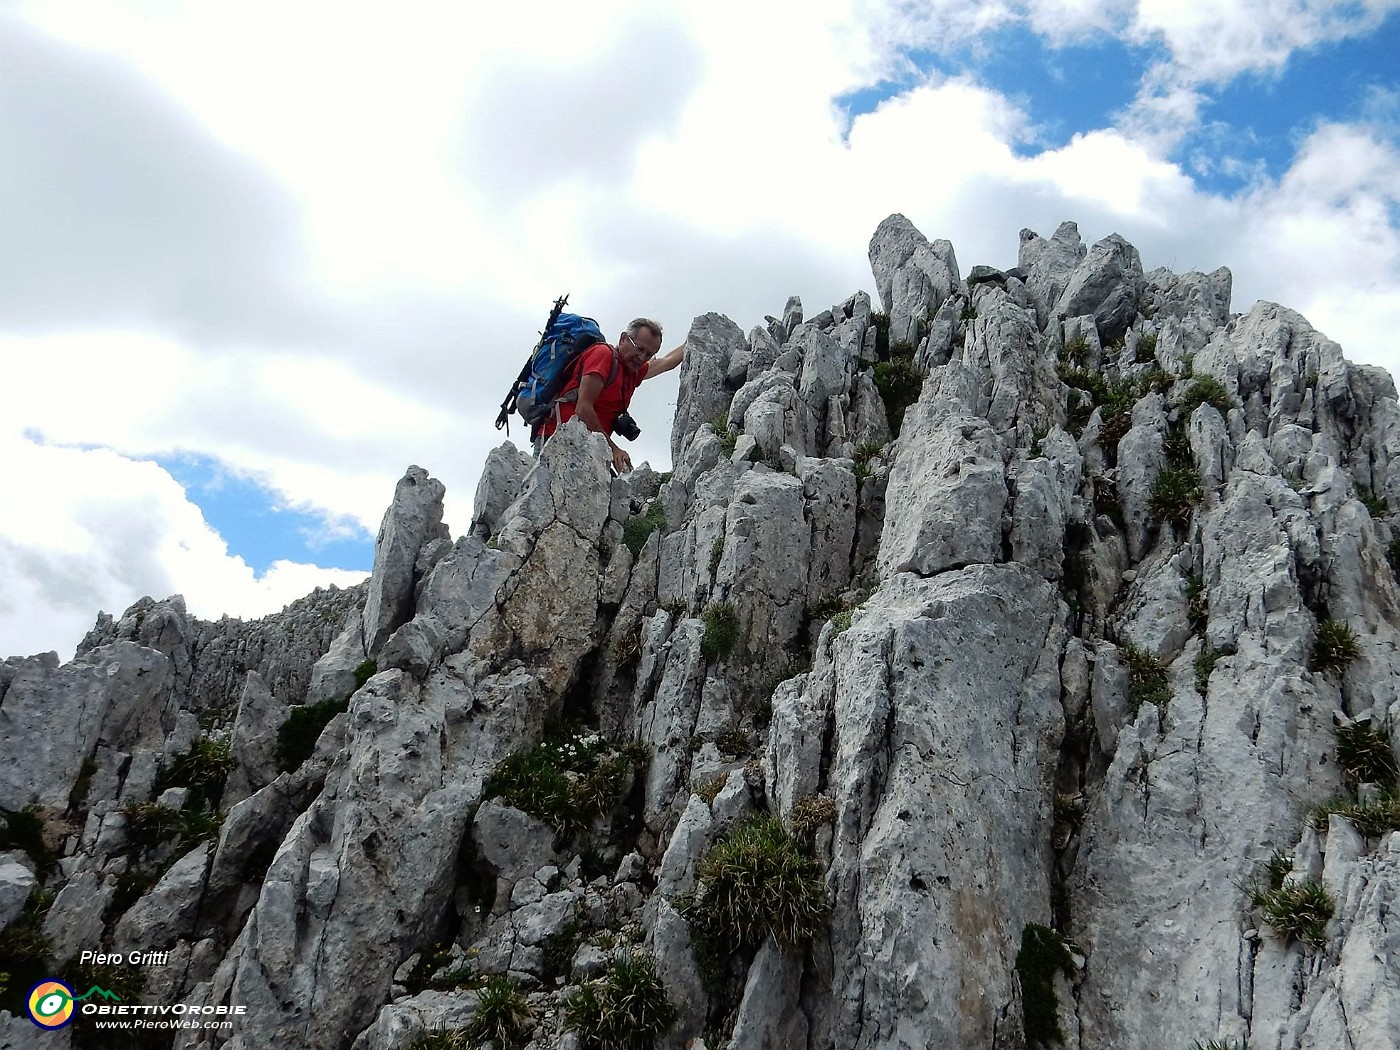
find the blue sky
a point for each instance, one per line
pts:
(252, 517)
(1250, 127)
(1066, 90)
(248, 303)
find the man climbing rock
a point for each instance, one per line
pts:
(603, 381)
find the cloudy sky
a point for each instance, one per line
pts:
(256, 258)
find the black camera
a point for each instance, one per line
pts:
(626, 426)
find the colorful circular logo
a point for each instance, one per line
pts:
(51, 1004)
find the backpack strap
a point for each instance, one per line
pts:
(571, 394)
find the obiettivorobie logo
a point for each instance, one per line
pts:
(51, 1002)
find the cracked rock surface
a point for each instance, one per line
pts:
(1043, 612)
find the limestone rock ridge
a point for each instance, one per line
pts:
(1009, 661)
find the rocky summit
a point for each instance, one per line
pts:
(1012, 665)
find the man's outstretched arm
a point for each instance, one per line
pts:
(665, 362)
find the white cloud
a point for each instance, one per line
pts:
(1325, 242)
(1213, 42)
(307, 425)
(368, 221)
(83, 530)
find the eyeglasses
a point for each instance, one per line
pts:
(648, 354)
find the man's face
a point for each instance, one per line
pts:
(637, 350)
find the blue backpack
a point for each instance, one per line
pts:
(563, 341)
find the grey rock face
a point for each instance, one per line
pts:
(949, 493)
(1107, 284)
(212, 659)
(511, 842)
(993, 675)
(16, 880)
(254, 743)
(53, 719)
(945, 742)
(912, 276)
(501, 478)
(711, 343)
(764, 566)
(412, 521)
(1048, 265)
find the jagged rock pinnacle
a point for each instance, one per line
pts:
(1017, 658)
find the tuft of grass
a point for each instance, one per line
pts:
(813, 617)
(711, 787)
(441, 1039)
(1297, 910)
(716, 553)
(1107, 501)
(1070, 809)
(566, 780)
(1205, 664)
(1115, 428)
(757, 881)
(296, 739)
(1276, 869)
(1205, 390)
(899, 383)
(1372, 819)
(502, 1016)
(1197, 604)
(727, 439)
(880, 321)
(1044, 953)
(1334, 647)
(810, 813)
(1146, 351)
(861, 463)
(1375, 505)
(150, 825)
(1175, 493)
(364, 671)
(1366, 756)
(1147, 678)
(1075, 353)
(624, 1009)
(638, 527)
(734, 742)
(1090, 388)
(202, 770)
(721, 631)
(1177, 447)
(1221, 1044)
(25, 830)
(25, 953)
(627, 650)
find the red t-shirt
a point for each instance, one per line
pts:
(613, 399)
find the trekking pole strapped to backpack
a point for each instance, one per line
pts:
(564, 338)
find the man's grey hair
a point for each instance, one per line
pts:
(639, 323)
